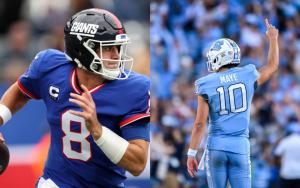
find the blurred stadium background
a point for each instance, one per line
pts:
(180, 32)
(28, 26)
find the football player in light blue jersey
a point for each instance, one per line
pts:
(224, 97)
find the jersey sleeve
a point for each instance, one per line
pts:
(200, 88)
(253, 74)
(134, 124)
(29, 81)
(139, 129)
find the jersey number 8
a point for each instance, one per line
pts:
(68, 120)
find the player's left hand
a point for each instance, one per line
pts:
(192, 166)
(87, 104)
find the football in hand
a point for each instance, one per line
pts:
(4, 157)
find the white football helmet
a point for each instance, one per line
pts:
(222, 52)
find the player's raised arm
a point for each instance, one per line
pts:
(273, 56)
(12, 100)
(197, 133)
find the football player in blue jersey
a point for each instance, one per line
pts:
(97, 108)
(224, 97)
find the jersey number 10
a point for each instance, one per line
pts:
(232, 99)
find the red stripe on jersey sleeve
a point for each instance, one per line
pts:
(133, 119)
(26, 92)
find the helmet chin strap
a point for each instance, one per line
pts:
(111, 74)
(104, 72)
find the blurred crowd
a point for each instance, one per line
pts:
(29, 26)
(181, 31)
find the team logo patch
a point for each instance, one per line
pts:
(217, 46)
(85, 29)
(53, 92)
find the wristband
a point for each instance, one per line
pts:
(5, 113)
(191, 153)
(113, 146)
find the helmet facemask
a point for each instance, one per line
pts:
(124, 62)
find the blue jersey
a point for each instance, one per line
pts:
(229, 95)
(74, 160)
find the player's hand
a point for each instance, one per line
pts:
(87, 104)
(192, 166)
(272, 31)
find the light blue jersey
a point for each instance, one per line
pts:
(229, 96)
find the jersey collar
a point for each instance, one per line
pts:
(75, 86)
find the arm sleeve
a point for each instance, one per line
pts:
(29, 82)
